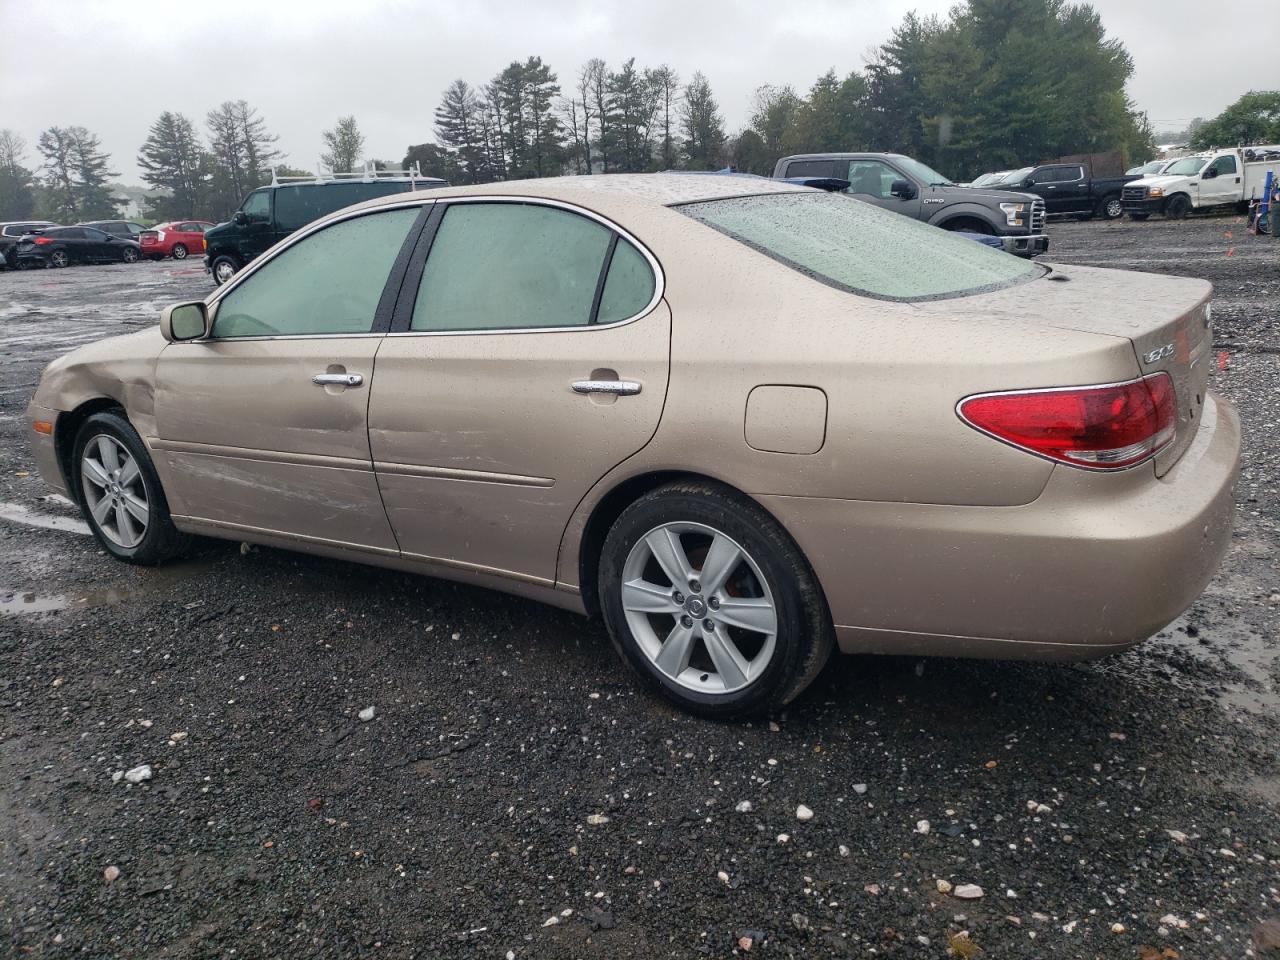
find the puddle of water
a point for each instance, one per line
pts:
(29, 603)
(1252, 652)
(17, 513)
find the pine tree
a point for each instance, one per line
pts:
(172, 158)
(702, 125)
(17, 200)
(344, 144)
(242, 149)
(665, 89)
(460, 125)
(76, 174)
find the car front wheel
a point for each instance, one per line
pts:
(223, 269)
(120, 493)
(179, 251)
(710, 601)
(129, 255)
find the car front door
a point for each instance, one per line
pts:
(262, 426)
(1223, 185)
(256, 234)
(529, 356)
(872, 181)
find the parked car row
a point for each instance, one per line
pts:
(1217, 178)
(39, 243)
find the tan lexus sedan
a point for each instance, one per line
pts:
(745, 422)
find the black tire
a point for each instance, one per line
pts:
(1138, 216)
(1177, 207)
(970, 226)
(1109, 208)
(179, 251)
(804, 636)
(161, 540)
(220, 265)
(129, 255)
(59, 259)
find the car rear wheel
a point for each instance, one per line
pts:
(120, 493)
(1178, 207)
(179, 251)
(711, 602)
(129, 255)
(224, 268)
(1110, 208)
(59, 259)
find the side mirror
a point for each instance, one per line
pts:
(241, 217)
(184, 321)
(903, 189)
(1209, 174)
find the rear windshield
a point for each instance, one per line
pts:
(858, 247)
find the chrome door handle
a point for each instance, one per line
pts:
(338, 379)
(621, 388)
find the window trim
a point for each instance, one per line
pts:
(412, 278)
(386, 301)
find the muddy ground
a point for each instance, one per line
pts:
(516, 796)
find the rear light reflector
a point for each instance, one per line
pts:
(42, 241)
(1106, 427)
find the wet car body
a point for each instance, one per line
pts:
(64, 246)
(869, 505)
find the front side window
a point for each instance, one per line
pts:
(1224, 165)
(861, 248)
(257, 206)
(497, 266)
(327, 283)
(871, 178)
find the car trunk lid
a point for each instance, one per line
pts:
(1166, 319)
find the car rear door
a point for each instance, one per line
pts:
(263, 426)
(529, 355)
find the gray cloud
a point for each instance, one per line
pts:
(114, 67)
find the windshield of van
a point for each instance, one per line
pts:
(860, 248)
(1186, 166)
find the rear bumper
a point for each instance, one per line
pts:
(1031, 245)
(1097, 563)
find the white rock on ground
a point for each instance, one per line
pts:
(923, 827)
(969, 891)
(139, 773)
(743, 806)
(111, 874)
(803, 813)
(944, 886)
(859, 788)
(366, 714)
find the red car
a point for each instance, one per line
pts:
(176, 239)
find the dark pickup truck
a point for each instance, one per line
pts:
(1067, 188)
(909, 187)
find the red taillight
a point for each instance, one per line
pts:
(1102, 428)
(41, 241)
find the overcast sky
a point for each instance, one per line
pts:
(113, 67)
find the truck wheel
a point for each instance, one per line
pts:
(223, 269)
(1138, 216)
(1178, 207)
(1109, 208)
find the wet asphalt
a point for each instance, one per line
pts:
(515, 795)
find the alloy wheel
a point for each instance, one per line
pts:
(130, 255)
(114, 491)
(1114, 209)
(699, 607)
(179, 252)
(58, 258)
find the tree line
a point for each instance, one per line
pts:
(994, 84)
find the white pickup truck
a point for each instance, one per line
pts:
(1213, 179)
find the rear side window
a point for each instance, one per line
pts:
(327, 283)
(811, 168)
(497, 266)
(856, 246)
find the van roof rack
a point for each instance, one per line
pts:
(368, 174)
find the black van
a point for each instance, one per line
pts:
(271, 213)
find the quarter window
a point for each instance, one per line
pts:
(328, 283)
(629, 286)
(497, 266)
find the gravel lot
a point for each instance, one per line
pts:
(514, 795)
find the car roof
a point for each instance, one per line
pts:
(615, 191)
(844, 156)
